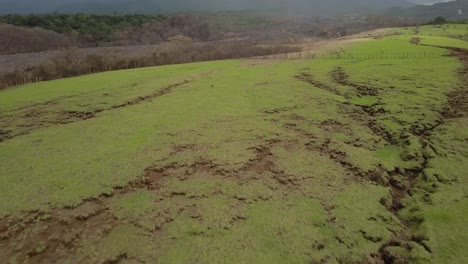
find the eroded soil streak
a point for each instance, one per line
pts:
(68, 117)
(41, 237)
(401, 182)
(457, 107)
(45, 237)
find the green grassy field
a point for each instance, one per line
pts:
(242, 161)
(456, 31)
(449, 35)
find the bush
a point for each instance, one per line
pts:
(23, 40)
(440, 20)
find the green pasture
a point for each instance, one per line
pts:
(241, 161)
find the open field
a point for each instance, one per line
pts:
(243, 161)
(457, 31)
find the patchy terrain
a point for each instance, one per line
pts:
(358, 157)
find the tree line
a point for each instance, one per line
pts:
(100, 27)
(72, 62)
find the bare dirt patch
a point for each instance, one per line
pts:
(264, 163)
(46, 237)
(335, 126)
(308, 78)
(5, 135)
(280, 110)
(73, 116)
(415, 41)
(149, 97)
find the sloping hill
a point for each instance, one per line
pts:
(356, 158)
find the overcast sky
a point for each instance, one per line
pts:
(428, 1)
(60, 2)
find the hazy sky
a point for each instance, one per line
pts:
(429, 1)
(61, 2)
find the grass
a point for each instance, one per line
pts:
(454, 31)
(238, 161)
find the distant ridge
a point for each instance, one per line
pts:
(453, 10)
(313, 7)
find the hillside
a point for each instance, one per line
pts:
(449, 10)
(354, 151)
(316, 7)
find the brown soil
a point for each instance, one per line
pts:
(280, 110)
(262, 162)
(5, 135)
(458, 100)
(149, 97)
(44, 238)
(415, 41)
(72, 116)
(335, 126)
(308, 78)
(340, 77)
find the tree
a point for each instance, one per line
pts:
(440, 20)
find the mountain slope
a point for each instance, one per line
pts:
(449, 9)
(153, 6)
